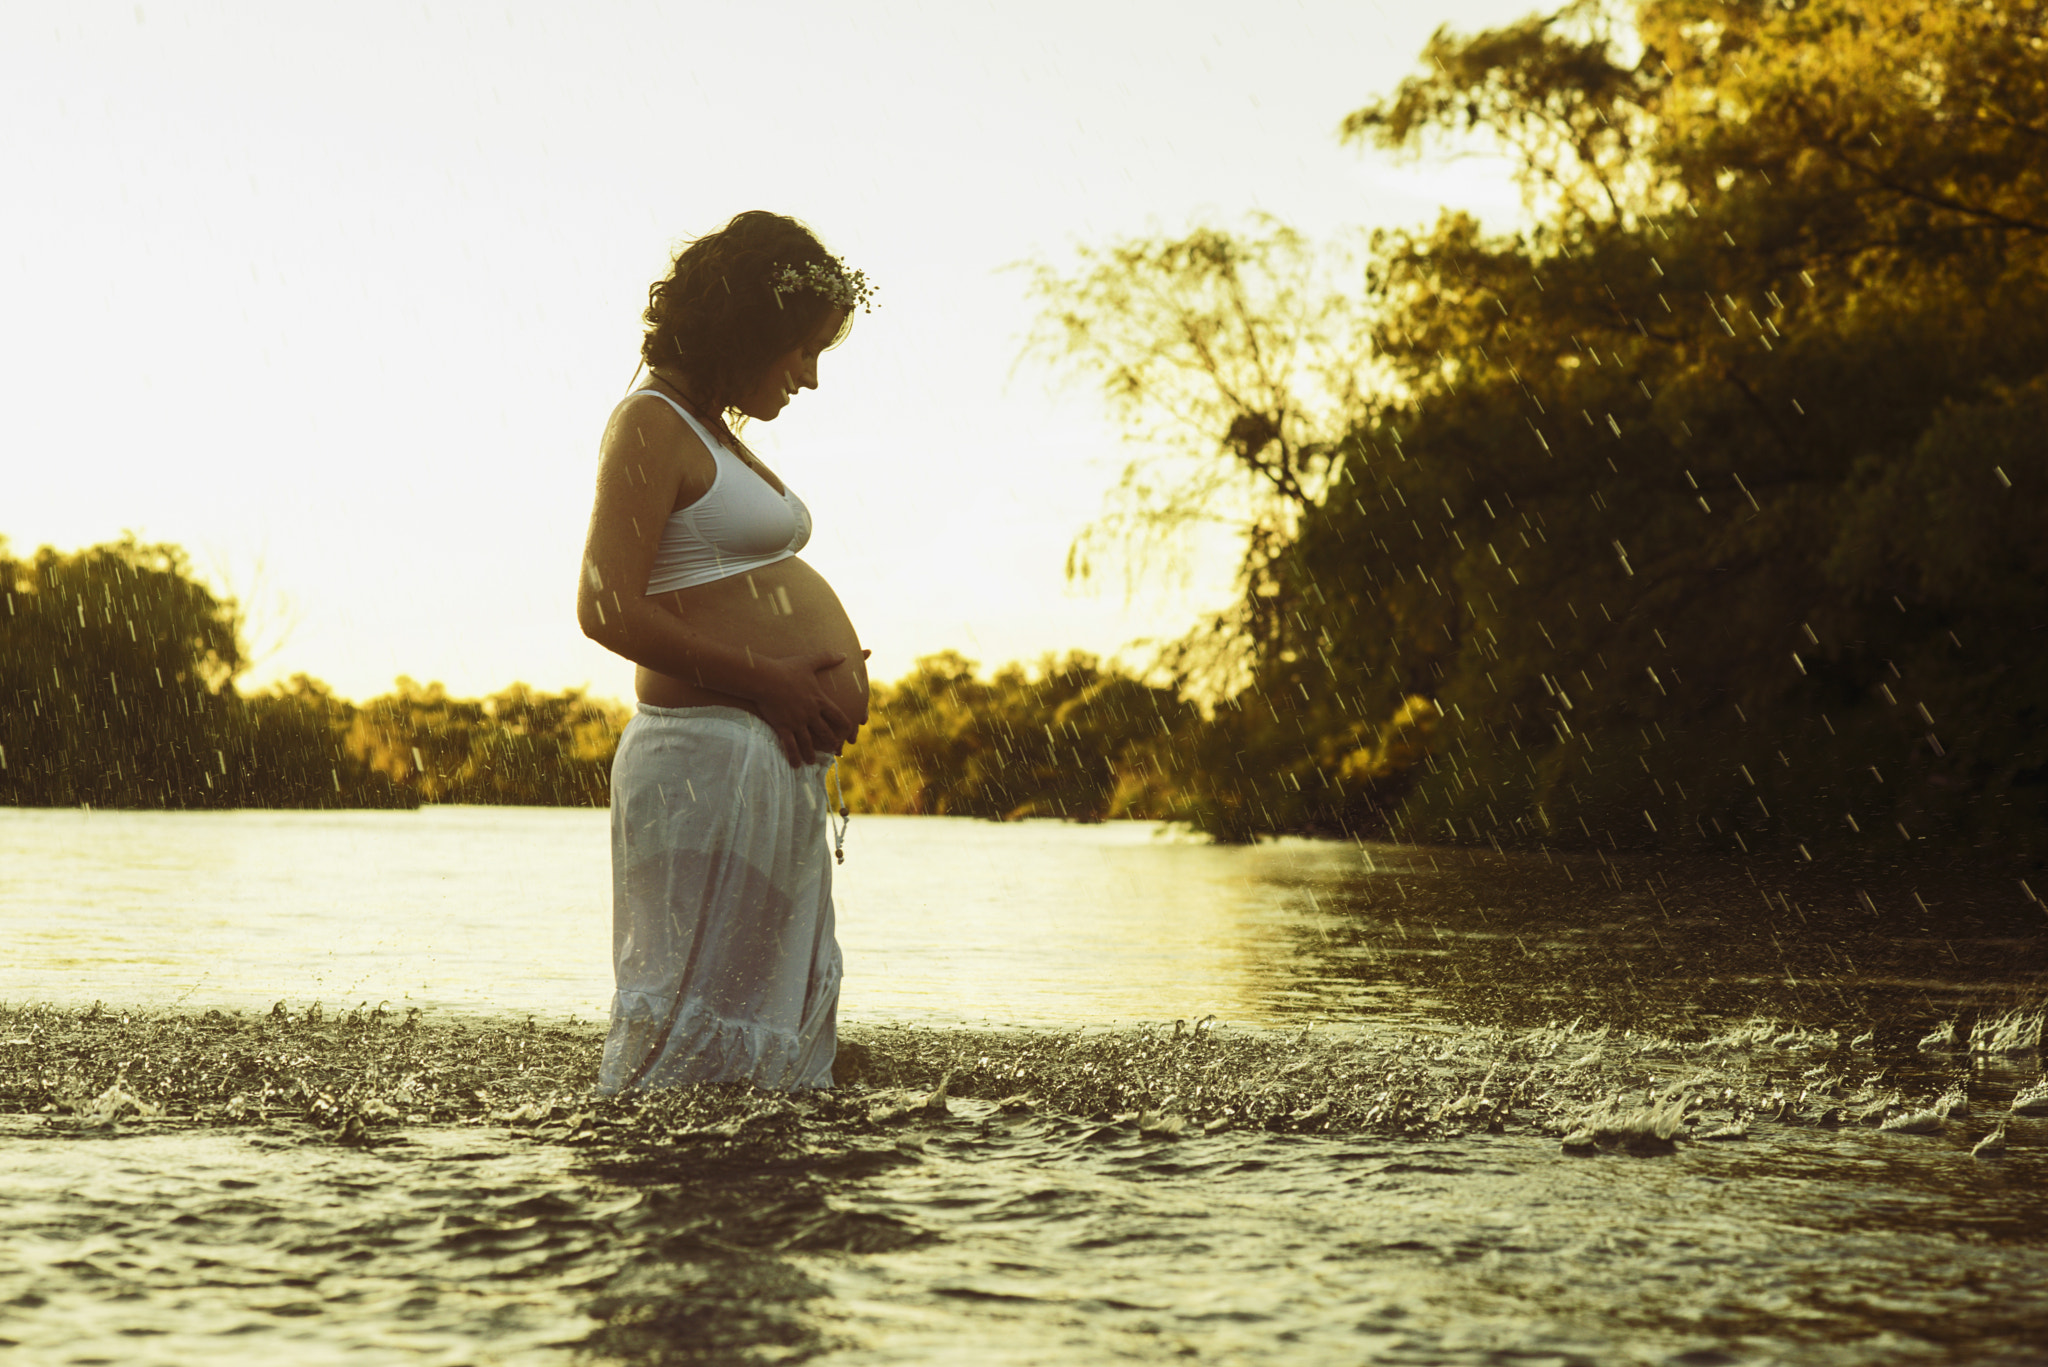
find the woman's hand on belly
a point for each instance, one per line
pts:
(795, 699)
(806, 671)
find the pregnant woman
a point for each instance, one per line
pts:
(750, 677)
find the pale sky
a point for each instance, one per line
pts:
(338, 297)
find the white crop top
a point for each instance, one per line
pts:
(740, 523)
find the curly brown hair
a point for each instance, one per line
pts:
(716, 317)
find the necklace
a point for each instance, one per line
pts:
(716, 423)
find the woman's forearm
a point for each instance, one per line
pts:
(664, 643)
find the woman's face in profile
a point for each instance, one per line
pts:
(794, 369)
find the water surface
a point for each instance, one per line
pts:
(505, 910)
(971, 1233)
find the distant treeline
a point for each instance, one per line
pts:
(1071, 739)
(1078, 739)
(116, 690)
(117, 669)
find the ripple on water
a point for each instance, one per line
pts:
(1359, 1227)
(1314, 1249)
(222, 1246)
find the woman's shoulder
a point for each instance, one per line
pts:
(648, 420)
(646, 430)
(655, 405)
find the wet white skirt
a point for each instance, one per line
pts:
(722, 934)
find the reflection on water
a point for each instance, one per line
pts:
(1038, 923)
(466, 907)
(1521, 939)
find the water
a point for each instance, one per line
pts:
(1037, 1245)
(1062, 1232)
(509, 910)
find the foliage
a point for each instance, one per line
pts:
(519, 747)
(1077, 741)
(1709, 506)
(114, 668)
(1548, 90)
(117, 671)
(1239, 346)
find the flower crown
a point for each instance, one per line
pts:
(827, 279)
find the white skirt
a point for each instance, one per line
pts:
(722, 935)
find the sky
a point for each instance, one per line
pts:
(338, 297)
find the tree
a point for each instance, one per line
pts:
(115, 666)
(1684, 509)
(1237, 364)
(297, 734)
(542, 749)
(1074, 740)
(117, 670)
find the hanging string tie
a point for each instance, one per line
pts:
(843, 819)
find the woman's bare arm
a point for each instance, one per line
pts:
(652, 462)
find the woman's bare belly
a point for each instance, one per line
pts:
(785, 609)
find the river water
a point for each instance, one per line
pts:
(968, 1232)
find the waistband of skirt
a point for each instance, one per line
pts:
(730, 716)
(737, 715)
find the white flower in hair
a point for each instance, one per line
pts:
(827, 279)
